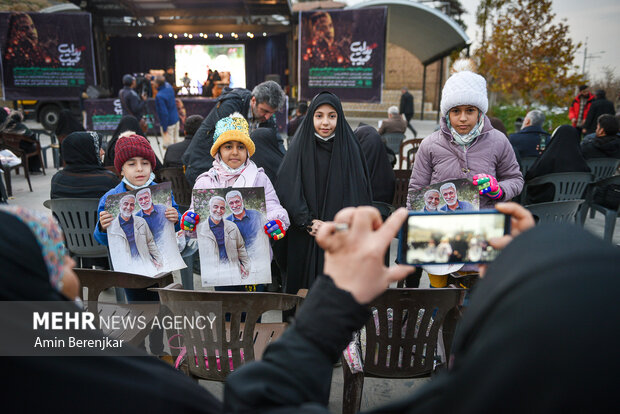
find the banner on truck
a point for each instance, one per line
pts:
(46, 55)
(342, 51)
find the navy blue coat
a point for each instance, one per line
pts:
(526, 140)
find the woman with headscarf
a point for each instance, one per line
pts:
(268, 154)
(382, 176)
(323, 171)
(128, 123)
(84, 175)
(562, 155)
(34, 267)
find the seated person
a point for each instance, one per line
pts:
(293, 124)
(515, 316)
(527, 141)
(394, 123)
(606, 144)
(176, 151)
(84, 175)
(36, 268)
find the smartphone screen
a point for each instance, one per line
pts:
(461, 237)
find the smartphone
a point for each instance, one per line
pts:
(459, 237)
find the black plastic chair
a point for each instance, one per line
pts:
(53, 146)
(403, 338)
(590, 204)
(526, 164)
(215, 350)
(603, 167)
(78, 218)
(568, 186)
(556, 211)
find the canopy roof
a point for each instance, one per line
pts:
(130, 17)
(425, 32)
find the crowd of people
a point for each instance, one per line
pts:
(328, 176)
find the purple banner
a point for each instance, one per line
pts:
(105, 114)
(342, 51)
(46, 55)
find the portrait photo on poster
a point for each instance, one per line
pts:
(234, 249)
(141, 239)
(445, 197)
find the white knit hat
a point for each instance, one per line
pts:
(464, 88)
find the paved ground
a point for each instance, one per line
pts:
(376, 391)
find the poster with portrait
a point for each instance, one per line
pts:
(234, 249)
(444, 197)
(141, 239)
(41, 61)
(342, 51)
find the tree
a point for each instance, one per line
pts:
(527, 55)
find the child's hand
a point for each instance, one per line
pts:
(105, 219)
(275, 229)
(172, 214)
(189, 221)
(487, 185)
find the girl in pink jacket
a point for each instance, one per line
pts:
(232, 167)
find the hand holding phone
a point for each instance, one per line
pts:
(459, 237)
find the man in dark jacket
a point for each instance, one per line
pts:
(498, 362)
(131, 103)
(600, 106)
(406, 108)
(257, 107)
(176, 151)
(528, 141)
(166, 106)
(606, 144)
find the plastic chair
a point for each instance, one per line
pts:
(568, 186)
(96, 281)
(609, 213)
(78, 218)
(393, 140)
(181, 189)
(556, 211)
(53, 146)
(408, 157)
(11, 142)
(403, 337)
(215, 350)
(526, 164)
(603, 167)
(401, 188)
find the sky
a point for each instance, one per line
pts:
(597, 20)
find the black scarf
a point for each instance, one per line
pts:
(80, 150)
(67, 124)
(317, 179)
(267, 154)
(562, 155)
(127, 123)
(347, 179)
(381, 173)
